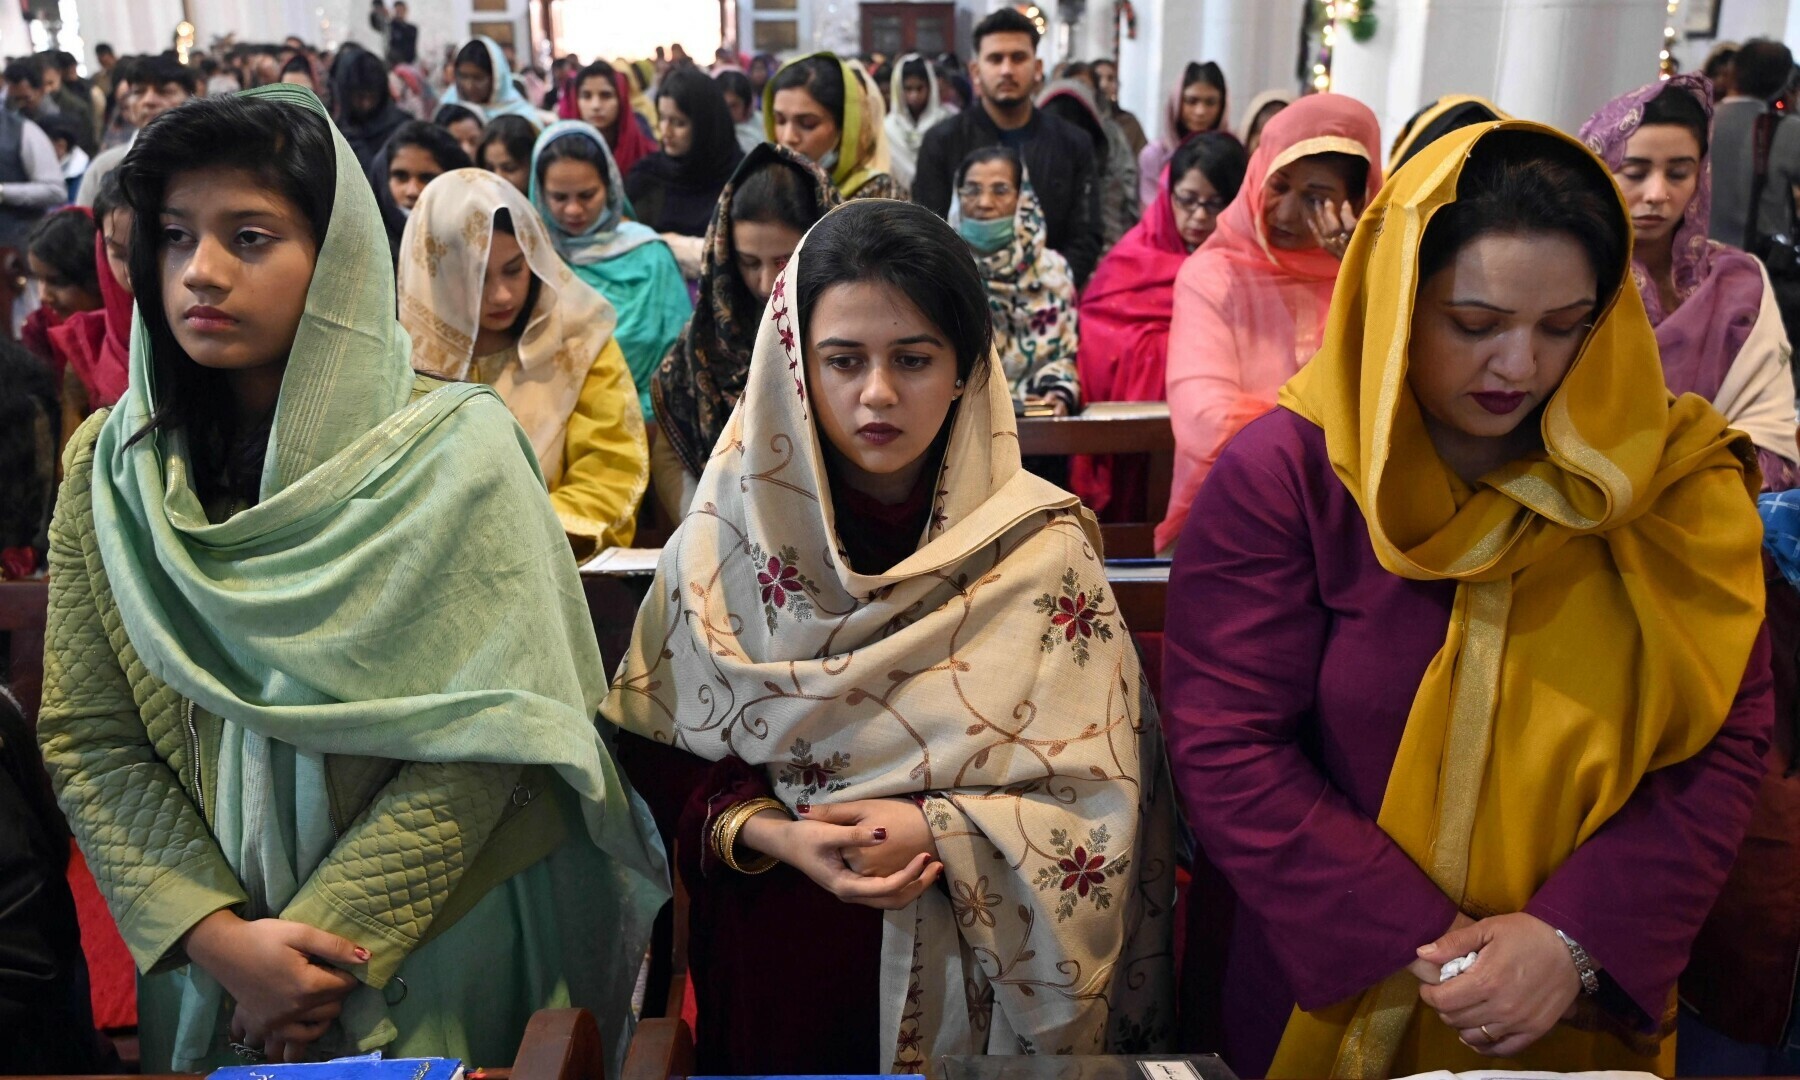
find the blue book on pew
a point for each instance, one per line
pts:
(365, 1067)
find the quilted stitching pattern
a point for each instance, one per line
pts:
(112, 737)
(115, 740)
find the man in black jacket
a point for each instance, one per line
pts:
(1058, 156)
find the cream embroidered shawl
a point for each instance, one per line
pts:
(989, 670)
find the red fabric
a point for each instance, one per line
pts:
(626, 140)
(112, 977)
(97, 343)
(1124, 348)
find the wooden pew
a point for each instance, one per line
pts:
(1143, 431)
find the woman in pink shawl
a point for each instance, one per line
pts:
(1717, 326)
(1126, 307)
(599, 95)
(1250, 305)
(1197, 105)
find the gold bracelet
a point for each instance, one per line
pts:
(730, 823)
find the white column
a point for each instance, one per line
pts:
(142, 26)
(1257, 44)
(1559, 60)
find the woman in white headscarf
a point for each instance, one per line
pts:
(916, 106)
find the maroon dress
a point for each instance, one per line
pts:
(786, 976)
(1284, 706)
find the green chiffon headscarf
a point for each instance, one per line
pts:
(402, 589)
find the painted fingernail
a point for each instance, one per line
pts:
(362, 954)
(804, 808)
(881, 834)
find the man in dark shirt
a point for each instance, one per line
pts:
(1059, 158)
(402, 37)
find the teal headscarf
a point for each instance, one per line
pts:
(624, 261)
(402, 589)
(505, 100)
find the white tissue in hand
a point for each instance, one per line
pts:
(1456, 967)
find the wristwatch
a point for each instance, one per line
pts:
(1584, 965)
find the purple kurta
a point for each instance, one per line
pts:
(1284, 706)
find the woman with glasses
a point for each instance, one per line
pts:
(1126, 306)
(1250, 305)
(1031, 297)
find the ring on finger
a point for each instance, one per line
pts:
(249, 1053)
(1491, 1037)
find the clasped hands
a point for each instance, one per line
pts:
(287, 978)
(874, 852)
(1523, 983)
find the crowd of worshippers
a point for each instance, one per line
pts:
(1481, 628)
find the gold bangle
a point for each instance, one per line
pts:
(730, 823)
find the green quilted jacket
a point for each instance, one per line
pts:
(134, 765)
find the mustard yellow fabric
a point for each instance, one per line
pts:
(606, 462)
(1609, 595)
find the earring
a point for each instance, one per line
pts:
(959, 384)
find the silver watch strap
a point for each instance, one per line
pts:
(1584, 965)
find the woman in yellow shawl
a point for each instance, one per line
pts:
(1484, 672)
(486, 299)
(830, 112)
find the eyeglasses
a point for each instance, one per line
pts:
(1188, 202)
(971, 192)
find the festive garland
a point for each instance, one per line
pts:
(1356, 16)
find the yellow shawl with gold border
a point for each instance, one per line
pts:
(1610, 592)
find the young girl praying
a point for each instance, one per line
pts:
(319, 684)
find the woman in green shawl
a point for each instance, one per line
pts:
(319, 681)
(576, 188)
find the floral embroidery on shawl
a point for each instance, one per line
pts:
(1031, 299)
(927, 682)
(1075, 618)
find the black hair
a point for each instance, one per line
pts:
(776, 194)
(60, 127)
(1104, 62)
(1005, 21)
(599, 69)
(916, 68)
(1454, 118)
(515, 133)
(820, 76)
(103, 49)
(573, 147)
(1680, 109)
(1219, 157)
(475, 53)
(737, 83)
(358, 71)
(65, 242)
(434, 140)
(1207, 74)
(907, 247)
(455, 114)
(160, 71)
(109, 196)
(714, 150)
(296, 62)
(287, 147)
(1722, 57)
(1352, 170)
(503, 222)
(996, 152)
(25, 70)
(29, 418)
(65, 59)
(1526, 181)
(1762, 68)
